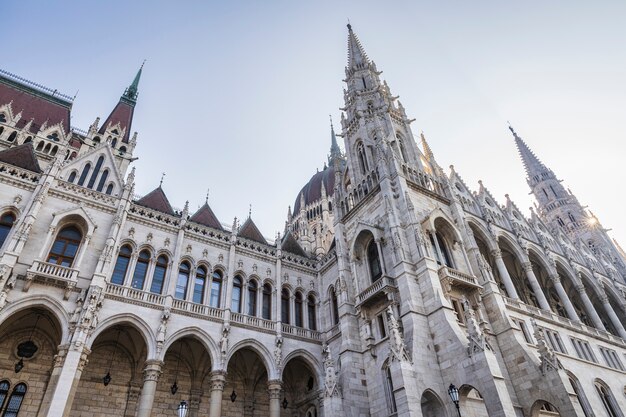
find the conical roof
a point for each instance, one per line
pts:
(205, 216)
(290, 244)
(22, 156)
(250, 231)
(156, 200)
(532, 164)
(357, 58)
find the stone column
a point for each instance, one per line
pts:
(151, 373)
(218, 379)
(534, 283)
(504, 274)
(612, 316)
(274, 388)
(57, 367)
(569, 307)
(595, 318)
(67, 382)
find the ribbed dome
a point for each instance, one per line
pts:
(312, 191)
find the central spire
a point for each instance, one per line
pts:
(357, 58)
(132, 91)
(533, 166)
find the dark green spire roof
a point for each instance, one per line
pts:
(133, 90)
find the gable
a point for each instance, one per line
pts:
(157, 200)
(206, 217)
(250, 231)
(96, 170)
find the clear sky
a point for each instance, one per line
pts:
(235, 96)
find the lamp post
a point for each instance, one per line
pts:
(453, 392)
(182, 409)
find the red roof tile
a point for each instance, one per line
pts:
(156, 200)
(22, 156)
(250, 231)
(205, 216)
(34, 106)
(122, 114)
(290, 244)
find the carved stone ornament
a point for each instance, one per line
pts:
(397, 347)
(162, 330)
(331, 386)
(477, 340)
(278, 351)
(549, 361)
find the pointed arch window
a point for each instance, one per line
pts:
(95, 172)
(158, 276)
(65, 246)
(109, 189)
(216, 289)
(6, 224)
(4, 392)
(311, 312)
(373, 260)
(334, 306)
(72, 177)
(362, 159)
(267, 302)
(113, 143)
(103, 179)
(182, 282)
(199, 285)
(298, 310)
(83, 175)
(582, 398)
(389, 393)
(235, 304)
(284, 306)
(121, 265)
(608, 401)
(252, 293)
(442, 255)
(141, 269)
(15, 401)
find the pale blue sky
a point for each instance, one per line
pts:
(235, 96)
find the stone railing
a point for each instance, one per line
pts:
(252, 321)
(549, 316)
(197, 310)
(132, 294)
(457, 278)
(54, 272)
(380, 288)
(301, 332)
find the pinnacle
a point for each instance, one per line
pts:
(532, 164)
(357, 57)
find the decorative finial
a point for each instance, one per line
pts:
(250, 212)
(207, 196)
(349, 25)
(162, 178)
(511, 129)
(142, 64)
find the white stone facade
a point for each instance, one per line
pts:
(383, 291)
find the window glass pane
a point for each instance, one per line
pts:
(157, 279)
(181, 284)
(15, 402)
(236, 301)
(252, 289)
(267, 302)
(216, 287)
(311, 313)
(119, 272)
(70, 249)
(284, 307)
(140, 274)
(57, 247)
(198, 290)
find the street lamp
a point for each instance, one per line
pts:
(453, 392)
(182, 409)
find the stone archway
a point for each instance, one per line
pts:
(245, 392)
(119, 351)
(301, 388)
(29, 341)
(471, 402)
(432, 405)
(542, 408)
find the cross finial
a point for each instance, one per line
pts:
(142, 64)
(162, 178)
(207, 196)
(250, 212)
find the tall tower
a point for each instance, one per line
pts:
(559, 208)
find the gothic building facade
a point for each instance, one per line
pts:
(392, 281)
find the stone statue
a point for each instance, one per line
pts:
(278, 351)
(162, 330)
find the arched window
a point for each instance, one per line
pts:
(267, 302)
(235, 304)
(103, 179)
(183, 281)
(284, 306)
(121, 265)
(362, 159)
(3, 118)
(388, 383)
(141, 269)
(122, 150)
(72, 177)
(252, 293)
(216, 289)
(298, 310)
(65, 246)
(12, 136)
(158, 276)
(4, 392)
(39, 146)
(402, 149)
(373, 261)
(96, 139)
(83, 175)
(113, 143)
(109, 189)
(6, 223)
(440, 250)
(334, 306)
(54, 136)
(582, 399)
(95, 172)
(199, 285)
(15, 401)
(608, 401)
(310, 305)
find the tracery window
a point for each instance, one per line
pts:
(252, 293)
(298, 310)
(373, 260)
(6, 223)
(235, 304)
(267, 302)
(608, 401)
(65, 246)
(158, 276)
(109, 189)
(4, 392)
(182, 282)
(362, 159)
(121, 265)
(141, 269)
(72, 177)
(15, 401)
(389, 394)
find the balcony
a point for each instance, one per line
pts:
(451, 277)
(134, 296)
(52, 274)
(252, 321)
(301, 332)
(377, 291)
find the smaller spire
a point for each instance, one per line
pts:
(132, 91)
(206, 200)
(532, 164)
(357, 57)
(162, 178)
(428, 153)
(250, 211)
(335, 151)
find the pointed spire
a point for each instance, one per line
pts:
(335, 151)
(532, 164)
(428, 153)
(357, 58)
(133, 90)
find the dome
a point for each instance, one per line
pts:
(312, 190)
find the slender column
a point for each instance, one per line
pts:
(433, 237)
(614, 319)
(569, 307)
(151, 374)
(534, 283)
(67, 383)
(218, 379)
(274, 388)
(504, 274)
(595, 318)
